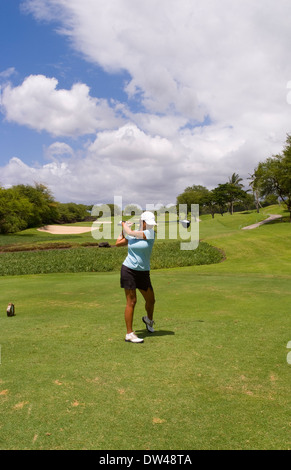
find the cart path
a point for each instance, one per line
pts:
(269, 219)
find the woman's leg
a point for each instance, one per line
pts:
(129, 309)
(149, 297)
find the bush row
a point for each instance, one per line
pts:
(95, 259)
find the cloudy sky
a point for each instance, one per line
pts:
(140, 99)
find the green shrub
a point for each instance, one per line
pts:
(92, 259)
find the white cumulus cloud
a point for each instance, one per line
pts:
(38, 104)
(208, 77)
(196, 57)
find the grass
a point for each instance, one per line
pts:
(213, 376)
(81, 259)
(34, 252)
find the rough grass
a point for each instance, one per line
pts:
(89, 259)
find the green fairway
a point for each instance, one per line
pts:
(213, 376)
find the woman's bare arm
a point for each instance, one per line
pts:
(134, 233)
(121, 241)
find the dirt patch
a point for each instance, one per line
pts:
(51, 246)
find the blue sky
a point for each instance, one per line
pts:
(31, 47)
(18, 35)
(140, 100)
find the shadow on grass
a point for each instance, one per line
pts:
(146, 334)
(283, 220)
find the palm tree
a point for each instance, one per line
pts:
(235, 181)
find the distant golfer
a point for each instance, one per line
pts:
(135, 271)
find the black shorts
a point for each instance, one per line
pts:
(131, 279)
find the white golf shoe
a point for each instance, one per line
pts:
(132, 338)
(149, 324)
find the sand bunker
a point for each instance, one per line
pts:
(66, 230)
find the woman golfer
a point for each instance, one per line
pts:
(135, 271)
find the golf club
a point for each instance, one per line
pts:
(185, 223)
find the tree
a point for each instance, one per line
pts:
(217, 200)
(255, 185)
(229, 193)
(233, 189)
(235, 180)
(71, 212)
(193, 195)
(15, 211)
(131, 209)
(211, 203)
(44, 205)
(105, 210)
(273, 176)
(220, 198)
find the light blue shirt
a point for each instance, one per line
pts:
(139, 251)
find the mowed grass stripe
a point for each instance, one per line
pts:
(212, 377)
